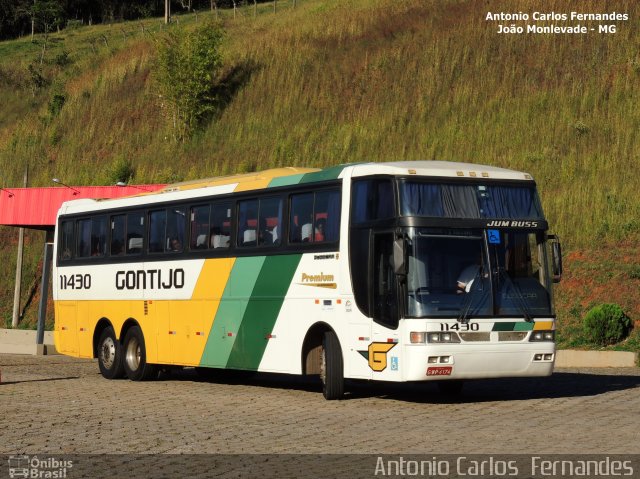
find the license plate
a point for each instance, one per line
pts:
(439, 371)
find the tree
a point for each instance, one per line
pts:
(187, 69)
(47, 14)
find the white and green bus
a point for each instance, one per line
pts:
(403, 271)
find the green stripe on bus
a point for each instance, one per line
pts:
(503, 326)
(524, 326)
(262, 311)
(520, 326)
(285, 180)
(233, 305)
(327, 174)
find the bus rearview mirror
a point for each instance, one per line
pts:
(556, 259)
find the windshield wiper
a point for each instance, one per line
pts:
(520, 299)
(463, 317)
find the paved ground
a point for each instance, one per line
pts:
(61, 405)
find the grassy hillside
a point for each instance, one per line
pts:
(331, 82)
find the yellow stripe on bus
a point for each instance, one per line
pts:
(547, 325)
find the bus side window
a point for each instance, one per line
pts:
(98, 236)
(315, 217)
(327, 216)
(83, 239)
(66, 241)
(301, 218)
(372, 200)
(174, 238)
(117, 235)
(221, 225)
(270, 221)
(247, 223)
(135, 232)
(199, 227)
(157, 227)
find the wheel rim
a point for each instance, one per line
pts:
(133, 354)
(108, 352)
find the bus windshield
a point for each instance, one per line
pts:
(444, 200)
(458, 273)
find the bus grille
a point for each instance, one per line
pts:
(512, 335)
(469, 337)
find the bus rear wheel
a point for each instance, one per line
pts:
(331, 367)
(135, 357)
(109, 354)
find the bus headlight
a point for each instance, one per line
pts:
(542, 336)
(447, 337)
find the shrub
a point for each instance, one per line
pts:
(121, 170)
(187, 72)
(606, 324)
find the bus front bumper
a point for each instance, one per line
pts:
(465, 361)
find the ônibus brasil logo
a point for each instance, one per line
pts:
(27, 467)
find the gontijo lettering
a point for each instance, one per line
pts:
(150, 279)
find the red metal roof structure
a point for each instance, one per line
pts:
(37, 207)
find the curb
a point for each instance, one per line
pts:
(569, 358)
(23, 341)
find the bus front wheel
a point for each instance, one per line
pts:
(109, 354)
(135, 357)
(331, 367)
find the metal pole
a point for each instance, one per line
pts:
(44, 291)
(17, 291)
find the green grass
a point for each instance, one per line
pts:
(331, 82)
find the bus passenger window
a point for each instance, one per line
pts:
(175, 230)
(99, 236)
(247, 222)
(301, 218)
(157, 226)
(327, 216)
(135, 232)
(92, 237)
(270, 221)
(117, 235)
(83, 244)
(315, 217)
(221, 225)
(199, 227)
(66, 241)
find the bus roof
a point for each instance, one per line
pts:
(294, 175)
(441, 169)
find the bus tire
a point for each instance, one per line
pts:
(109, 352)
(135, 357)
(331, 367)
(451, 388)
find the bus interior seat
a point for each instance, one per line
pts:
(249, 236)
(135, 245)
(306, 232)
(201, 241)
(219, 241)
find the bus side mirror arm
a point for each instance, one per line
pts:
(556, 258)
(399, 255)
